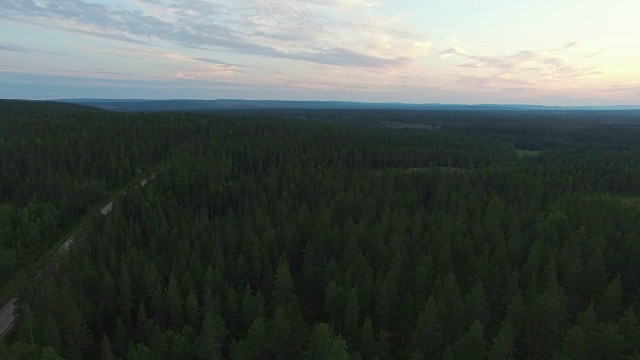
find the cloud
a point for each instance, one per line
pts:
(593, 54)
(217, 62)
(13, 48)
(495, 82)
(207, 69)
(518, 69)
(25, 50)
(94, 71)
(332, 32)
(205, 73)
(631, 88)
(452, 52)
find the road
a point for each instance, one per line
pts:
(107, 208)
(7, 317)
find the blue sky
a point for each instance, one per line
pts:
(563, 52)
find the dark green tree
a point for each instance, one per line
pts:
(324, 345)
(472, 345)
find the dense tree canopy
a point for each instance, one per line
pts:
(265, 238)
(57, 160)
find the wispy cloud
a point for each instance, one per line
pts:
(218, 62)
(518, 69)
(492, 82)
(13, 48)
(570, 45)
(333, 32)
(94, 71)
(25, 50)
(629, 88)
(593, 54)
(453, 52)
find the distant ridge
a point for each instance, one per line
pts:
(136, 105)
(12, 106)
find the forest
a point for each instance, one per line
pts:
(268, 235)
(57, 160)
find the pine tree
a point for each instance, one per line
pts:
(503, 347)
(477, 306)
(193, 311)
(76, 333)
(386, 300)
(257, 339)
(324, 345)
(456, 324)
(50, 333)
(427, 337)
(212, 336)
(332, 296)
(471, 346)
(279, 335)
(125, 295)
(142, 323)
(174, 305)
(30, 322)
(610, 306)
(629, 329)
(49, 353)
(121, 338)
(574, 344)
(139, 352)
(283, 285)
(352, 317)
(368, 342)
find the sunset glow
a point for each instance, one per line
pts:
(565, 52)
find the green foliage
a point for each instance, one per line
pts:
(472, 345)
(56, 160)
(522, 154)
(270, 238)
(324, 345)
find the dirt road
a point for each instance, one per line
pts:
(7, 317)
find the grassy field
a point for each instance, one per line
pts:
(521, 154)
(627, 200)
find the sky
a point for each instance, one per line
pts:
(550, 52)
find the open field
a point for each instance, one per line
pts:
(521, 154)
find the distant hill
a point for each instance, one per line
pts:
(30, 107)
(137, 105)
